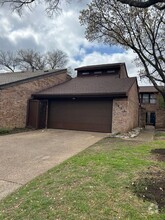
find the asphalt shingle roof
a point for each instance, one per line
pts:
(90, 85)
(147, 89)
(11, 78)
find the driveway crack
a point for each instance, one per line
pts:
(9, 181)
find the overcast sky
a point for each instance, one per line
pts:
(34, 30)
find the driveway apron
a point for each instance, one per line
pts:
(26, 155)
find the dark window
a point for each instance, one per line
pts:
(85, 73)
(98, 72)
(152, 98)
(145, 98)
(110, 71)
(148, 98)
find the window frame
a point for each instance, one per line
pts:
(151, 99)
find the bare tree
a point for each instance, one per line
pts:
(52, 6)
(56, 59)
(30, 60)
(8, 60)
(142, 30)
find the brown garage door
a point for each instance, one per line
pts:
(83, 115)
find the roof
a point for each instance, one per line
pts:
(147, 89)
(90, 86)
(95, 67)
(10, 78)
(106, 69)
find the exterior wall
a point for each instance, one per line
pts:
(119, 115)
(160, 118)
(123, 72)
(14, 99)
(160, 113)
(125, 111)
(142, 117)
(151, 107)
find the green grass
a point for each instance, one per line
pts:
(160, 134)
(4, 131)
(95, 185)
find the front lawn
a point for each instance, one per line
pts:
(101, 183)
(160, 135)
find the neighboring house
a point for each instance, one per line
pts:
(151, 111)
(101, 98)
(16, 90)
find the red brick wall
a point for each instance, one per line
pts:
(13, 100)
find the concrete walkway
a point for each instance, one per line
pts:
(147, 134)
(26, 155)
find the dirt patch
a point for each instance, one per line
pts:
(150, 185)
(159, 154)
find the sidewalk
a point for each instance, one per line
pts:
(147, 134)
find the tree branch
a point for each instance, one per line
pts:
(144, 4)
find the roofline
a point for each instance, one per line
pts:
(100, 66)
(57, 72)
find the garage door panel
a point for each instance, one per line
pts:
(84, 115)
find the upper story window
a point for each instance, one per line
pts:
(148, 98)
(111, 71)
(99, 71)
(85, 73)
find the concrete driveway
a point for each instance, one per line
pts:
(26, 155)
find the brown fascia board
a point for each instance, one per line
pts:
(112, 95)
(93, 67)
(58, 72)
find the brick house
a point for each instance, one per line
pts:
(151, 112)
(16, 90)
(101, 98)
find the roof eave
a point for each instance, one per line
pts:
(91, 67)
(96, 95)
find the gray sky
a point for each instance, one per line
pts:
(35, 30)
